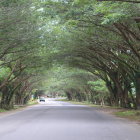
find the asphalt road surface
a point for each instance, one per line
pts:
(56, 120)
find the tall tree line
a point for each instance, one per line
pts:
(104, 39)
(100, 37)
(21, 51)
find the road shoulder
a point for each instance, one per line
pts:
(128, 114)
(17, 108)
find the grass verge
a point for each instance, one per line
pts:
(33, 102)
(2, 110)
(129, 114)
(17, 107)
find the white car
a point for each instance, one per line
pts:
(42, 99)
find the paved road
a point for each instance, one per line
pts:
(63, 121)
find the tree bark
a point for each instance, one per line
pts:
(138, 90)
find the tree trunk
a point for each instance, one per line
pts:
(138, 90)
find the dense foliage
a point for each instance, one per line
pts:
(86, 49)
(21, 51)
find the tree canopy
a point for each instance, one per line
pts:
(88, 50)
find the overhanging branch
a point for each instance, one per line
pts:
(130, 1)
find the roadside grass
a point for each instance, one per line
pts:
(62, 100)
(2, 110)
(133, 115)
(84, 103)
(17, 107)
(32, 102)
(7, 110)
(129, 114)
